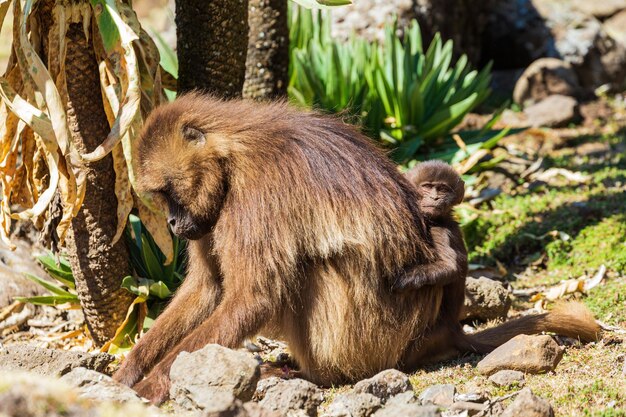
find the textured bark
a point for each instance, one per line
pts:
(267, 64)
(212, 42)
(98, 267)
(463, 21)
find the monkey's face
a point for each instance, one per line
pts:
(437, 199)
(181, 166)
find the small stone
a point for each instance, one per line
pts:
(197, 386)
(223, 404)
(100, 387)
(353, 405)
(441, 394)
(293, 394)
(385, 384)
(412, 410)
(485, 299)
(529, 354)
(507, 378)
(528, 405)
(469, 407)
(553, 111)
(543, 78)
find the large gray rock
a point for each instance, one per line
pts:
(485, 299)
(528, 405)
(529, 354)
(543, 78)
(50, 361)
(97, 386)
(385, 384)
(293, 397)
(441, 394)
(353, 405)
(553, 111)
(201, 377)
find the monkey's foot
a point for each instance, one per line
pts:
(155, 388)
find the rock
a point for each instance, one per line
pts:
(224, 404)
(441, 394)
(506, 378)
(25, 394)
(293, 395)
(528, 405)
(485, 299)
(407, 397)
(554, 111)
(353, 405)
(469, 407)
(263, 385)
(529, 354)
(599, 9)
(412, 410)
(543, 78)
(197, 386)
(580, 39)
(616, 27)
(97, 386)
(50, 361)
(255, 410)
(385, 384)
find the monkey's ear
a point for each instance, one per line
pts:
(194, 135)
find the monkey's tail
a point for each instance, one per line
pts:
(570, 319)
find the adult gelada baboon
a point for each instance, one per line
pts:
(298, 227)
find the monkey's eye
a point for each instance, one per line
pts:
(193, 135)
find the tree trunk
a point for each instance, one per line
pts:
(267, 64)
(98, 267)
(212, 41)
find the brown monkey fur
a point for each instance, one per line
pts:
(439, 188)
(298, 228)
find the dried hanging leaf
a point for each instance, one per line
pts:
(595, 280)
(122, 190)
(130, 104)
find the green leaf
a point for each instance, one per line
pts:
(160, 290)
(61, 272)
(54, 289)
(321, 4)
(49, 300)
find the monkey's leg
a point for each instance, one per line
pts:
(197, 297)
(240, 314)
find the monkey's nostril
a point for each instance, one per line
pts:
(172, 221)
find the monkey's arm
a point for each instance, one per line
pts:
(444, 270)
(197, 297)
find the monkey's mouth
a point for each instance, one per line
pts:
(189, 232)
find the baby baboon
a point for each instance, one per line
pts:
(439, 188)
(297, 227)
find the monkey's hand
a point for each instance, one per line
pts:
(156, 387)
